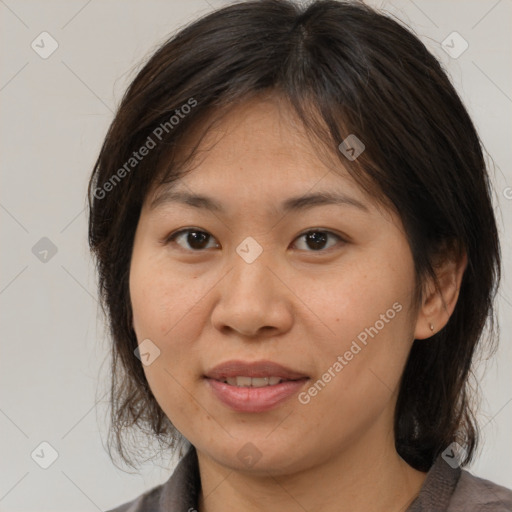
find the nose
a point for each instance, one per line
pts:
(253, 300)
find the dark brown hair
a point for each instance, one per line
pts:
(344, 68)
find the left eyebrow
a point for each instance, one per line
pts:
(291, 204)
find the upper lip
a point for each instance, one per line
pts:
(253, 369)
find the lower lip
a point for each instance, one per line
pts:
(249, 399)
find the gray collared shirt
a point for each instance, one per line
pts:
(445, 489)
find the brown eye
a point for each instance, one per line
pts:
(195, 238)
(317, 239)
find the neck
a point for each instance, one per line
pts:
(361, 478)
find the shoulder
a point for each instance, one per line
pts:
(474, 494)
(146, 502)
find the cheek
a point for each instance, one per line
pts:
(162, 298)
(357, 381)
(166, 310)
(169, 387)
(364, 336)
(364, 294)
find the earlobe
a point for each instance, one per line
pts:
(438, 304)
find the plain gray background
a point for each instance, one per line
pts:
(55, 113)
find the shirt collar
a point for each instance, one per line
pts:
(438, 487)
(181, 492)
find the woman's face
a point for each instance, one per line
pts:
(248, 284)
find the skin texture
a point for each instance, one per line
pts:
(296, 305)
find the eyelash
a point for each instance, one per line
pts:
(173, 236)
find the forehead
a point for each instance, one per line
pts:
(261, 131)
(259, 148)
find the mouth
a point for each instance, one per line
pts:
(253, 382)
(253, 387)
(253, 371)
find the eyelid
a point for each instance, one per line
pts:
(342, 238)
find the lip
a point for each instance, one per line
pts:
(249, 399)
(253, 369)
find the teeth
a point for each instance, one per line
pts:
(258, 382)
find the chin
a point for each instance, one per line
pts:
(257, 455)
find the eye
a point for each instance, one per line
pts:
(316, 238)
(197, 239)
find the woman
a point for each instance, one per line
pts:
(297, 255)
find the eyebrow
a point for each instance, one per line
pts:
(291, 204)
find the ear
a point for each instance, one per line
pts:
(437, 305)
